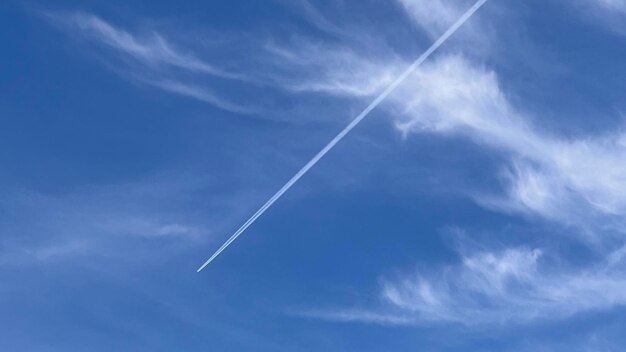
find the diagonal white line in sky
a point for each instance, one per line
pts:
(445, 36)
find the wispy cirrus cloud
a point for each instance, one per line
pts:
(92, 220)
(569, 180)
(576, 181)
(609, 5)
(435, 16)
(151, 59)
(512, 285)
(609, 14)
(333, 70)
(487, 288)
(554, 177)
(363, 63)
(202, 94)
(314, 16)
(152, 50)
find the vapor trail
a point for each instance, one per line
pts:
(348, 128)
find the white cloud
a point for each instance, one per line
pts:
(202, 94)
(513, 286)
(362, 64)
(152, 50)
(311, 13)
(100, 220)
(571, 180)
(433, 16)
(559, 178)
(611, 5)
(606, 13)
(151, 59)
(504, 287)
(333, 70)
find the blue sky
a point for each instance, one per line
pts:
(479, 208)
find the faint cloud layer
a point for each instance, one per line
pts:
(578, 181)
(152, 50)
(612, 5)
(435, 16)
(154, 60)
(93, 221)
(609, 14)
(510, 286)
(495, 288)
(333, 70)
(547, 175)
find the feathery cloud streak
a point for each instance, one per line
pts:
(577, 181)
(152, 60)
(553, 177)
(489, 288)
(568, 180)
(571, 180)
(153, 50)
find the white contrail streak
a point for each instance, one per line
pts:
(348, 128)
